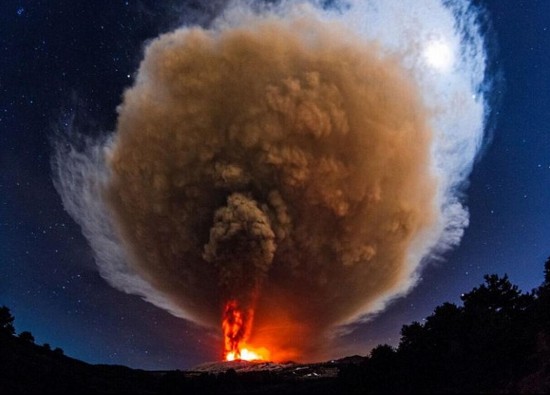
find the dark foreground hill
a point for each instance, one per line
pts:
(497, 341)
(31, 369)
(26, 368)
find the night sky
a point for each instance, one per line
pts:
(68, 62)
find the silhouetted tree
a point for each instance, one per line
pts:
(542, 309)
(27, 337)
(47, 347)
(412, 338)
(383, 353)
(498, 332)
(382, 370)
(6, 321)
(497, 296)
(480, 346)
(546, 282)
(58, 351)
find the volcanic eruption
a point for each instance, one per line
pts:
(283, 171)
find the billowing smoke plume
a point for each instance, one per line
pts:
(299, 162)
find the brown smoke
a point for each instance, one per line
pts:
(286, 164)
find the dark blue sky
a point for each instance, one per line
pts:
(69, 61)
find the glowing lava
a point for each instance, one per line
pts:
(245, 355)
(236, 326)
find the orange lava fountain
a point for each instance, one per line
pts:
(236, 326)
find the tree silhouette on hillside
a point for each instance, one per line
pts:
(498, 337)
(6, 322)
(26, 336)
(543, 296)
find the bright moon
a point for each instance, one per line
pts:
(439, 55)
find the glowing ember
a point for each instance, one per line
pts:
(236, 327)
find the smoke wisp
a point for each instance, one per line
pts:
(301, 162)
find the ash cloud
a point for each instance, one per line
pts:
(302, 161)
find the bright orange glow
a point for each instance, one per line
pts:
(236, 326)
(249, 354)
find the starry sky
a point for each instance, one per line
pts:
(67, 62)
